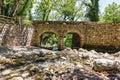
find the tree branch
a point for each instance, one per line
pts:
(14, 9)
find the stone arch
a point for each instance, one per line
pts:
(78, 33)
(46, 32)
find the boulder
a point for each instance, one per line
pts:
(104, 65)
(88, 55)
(17, 78)
(82, 50)
(6, 72)
(117, 54)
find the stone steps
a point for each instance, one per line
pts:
(6, 19)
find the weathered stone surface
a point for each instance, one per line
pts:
(6, 72)
(104, 65)
(91, 35)
(114, 76)
(15, 34)
(32, 63)
(117, 54)
(25, 74)
(17, 78)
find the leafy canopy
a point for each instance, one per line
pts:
(111, 13)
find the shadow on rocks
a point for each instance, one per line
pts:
(4, 49)
(79, 74)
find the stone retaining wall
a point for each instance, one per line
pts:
(15, 34)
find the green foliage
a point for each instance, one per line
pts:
(43, 9)
(23, 9)
(68, 40)
(48, 39)
(7, 4)
(92, 11)
(70, 10)
(111, 13)
(27, 21)
(66, 10)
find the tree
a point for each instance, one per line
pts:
(60, 10)
(111, 13)
(25, 8)
(68, 10)
(1, 6)
(7, 6)
(92, 11)
(43, 9)
(15, 7)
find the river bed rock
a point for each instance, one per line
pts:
(33, 63)
(104, 64)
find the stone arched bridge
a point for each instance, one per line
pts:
(91, 34)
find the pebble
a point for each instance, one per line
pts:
(25, 74)
(17, 78)
(6, 72)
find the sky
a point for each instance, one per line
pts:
(104, 3)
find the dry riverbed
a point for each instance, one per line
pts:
(32, 63)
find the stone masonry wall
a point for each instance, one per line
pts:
(103, 35)
(59, 28)
(15, 35)
(92, 34)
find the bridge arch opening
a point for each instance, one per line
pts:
(49, 40)
(72, 40)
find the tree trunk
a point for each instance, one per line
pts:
(30, 15)
(14, 9)
(1, 7)
(6, 10)
(23, 9)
